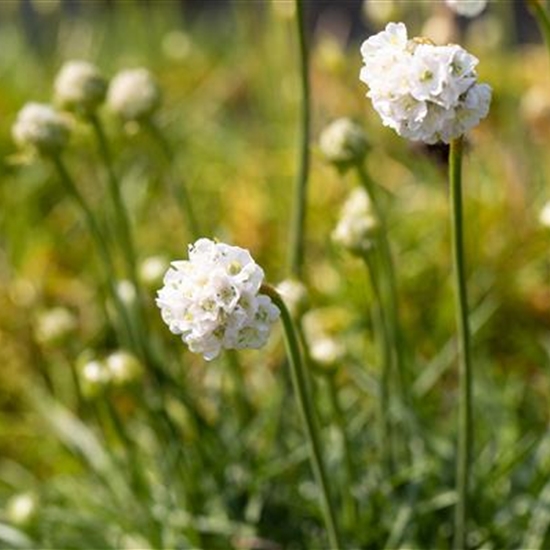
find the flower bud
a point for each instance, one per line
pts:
(134, 94)
(80, 87)
(21, 508)
(544, 216)
(94, 377)
(344, 143)
(294, 294)
(467, 8)
(124, 368)
(54, 326)
(358, 226)
(41, 128)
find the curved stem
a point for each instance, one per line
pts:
(394, 326)
(297, 236)
(383, 332)
(179, 189)
(305, 404)
(543, 19)
(463, 338)
(122, 224)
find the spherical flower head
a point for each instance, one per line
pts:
(21, 508)
(41, 128)
(467, 8)
(423, 91)
(80, 87)
(212, 300)
(95, 377)
(343, 142)
(134, 95)
(358, 226)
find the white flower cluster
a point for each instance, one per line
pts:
(80, 87)
(213, 301)
(42, 128)
(467, 8)
(134, 94)
(424, 92)
(358, 224)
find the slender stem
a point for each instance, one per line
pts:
(297, 236)
(393, 305)
(305, 404)
(543, 19)
(349, 505)
(179, 189)
(122, 224)
(100, 241)
(463, 338)
(382, 331)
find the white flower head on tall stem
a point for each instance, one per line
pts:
(467, 8)
(212, 300)
(80, 87)
(343, 142)
(424, 92)
(134, 94)
(41, 128)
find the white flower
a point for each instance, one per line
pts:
(467, 8)
(134, 94)
(94, 378)
(21, 508)
(358, 225)
(42, 128)
(343, 142)
(424, 92)
(79, 86)
(54, 326)
(212, 300)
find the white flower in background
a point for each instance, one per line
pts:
(294, 294)
(134, 94)
(40, 127)
(124, 368)
(212, 300)
(424, 92)
(343, 142)
(152, 270)
(21, 508)
(544, 216)
(326, 350)
(94, 377)
(467, 8)
(54, 326)
(358, 225)
(80, 87)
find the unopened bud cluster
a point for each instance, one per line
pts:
(343, 142)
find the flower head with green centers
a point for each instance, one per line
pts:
(358, 224)
(41, 128)
(467, 8)
(344, 142)
(80, 87)
(212, 300)
(134, 95)
(423, 91)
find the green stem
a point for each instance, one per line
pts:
(349, 505)
(394, 326)
(297, 236)
(179, 190)
(122, 224)
(303, 396)
(543, 20)
(383, 332)
(463, 338)
(102, 247)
